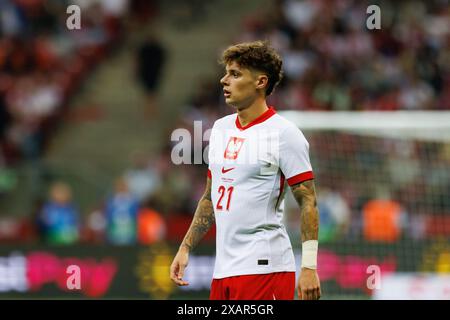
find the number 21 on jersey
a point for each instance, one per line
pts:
(224, 193)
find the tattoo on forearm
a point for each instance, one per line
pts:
(305, 195)
(202, 221)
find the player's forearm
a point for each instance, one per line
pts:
(201, 223)
(305, 196)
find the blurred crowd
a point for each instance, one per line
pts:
(42, 64)
(331, 62)
(380, 189)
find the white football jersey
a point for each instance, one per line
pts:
(248, 167)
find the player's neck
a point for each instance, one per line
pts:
(247, 115)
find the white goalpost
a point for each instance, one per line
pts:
(422, 125)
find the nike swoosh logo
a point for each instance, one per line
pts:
(226, 170)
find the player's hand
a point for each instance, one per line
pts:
(179, 263)
(308, 287)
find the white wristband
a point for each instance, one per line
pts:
(309, 254)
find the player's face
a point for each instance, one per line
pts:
(240, 86)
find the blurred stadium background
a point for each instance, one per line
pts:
(86, 116)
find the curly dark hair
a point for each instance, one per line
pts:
(257, 55)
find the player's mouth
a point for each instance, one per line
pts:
(226, 93)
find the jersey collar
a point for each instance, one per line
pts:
(266, 115)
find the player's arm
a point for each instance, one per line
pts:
(200, 225)
(202, 221)
(305, 195)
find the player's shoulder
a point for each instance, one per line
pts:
(225, 121)
(284, 125)
(289, 131)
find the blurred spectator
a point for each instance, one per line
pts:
(14, 230)
(94, 230)
(151, 226)
(31, 100)
(383, 220)
(59, 218)
(143, 177)
(121, 215)
(176, 194)
(416, 94)
(334, 215)
(151, 58)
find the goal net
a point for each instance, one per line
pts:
(383, 190)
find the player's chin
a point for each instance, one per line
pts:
(228, 100)
(231, 102)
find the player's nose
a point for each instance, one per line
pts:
(223, 81)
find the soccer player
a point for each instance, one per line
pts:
(252, 153)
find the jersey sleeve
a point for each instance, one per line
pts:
(294, 156)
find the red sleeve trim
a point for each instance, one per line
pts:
(209, 174)
(308, 175)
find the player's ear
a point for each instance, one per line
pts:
(262, 81)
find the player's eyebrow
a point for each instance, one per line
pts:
(233, 70)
